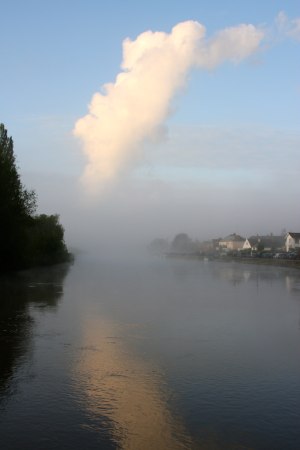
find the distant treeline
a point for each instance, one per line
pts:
(26, 239)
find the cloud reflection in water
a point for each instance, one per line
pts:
(125, 391)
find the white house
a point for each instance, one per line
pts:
(268, 243)
(251, 243)
(292, 241)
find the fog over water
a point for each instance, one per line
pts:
(135, 211)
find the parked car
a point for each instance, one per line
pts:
(293, 255)
(266, 255)
(280, 255)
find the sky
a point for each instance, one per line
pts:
(135, 120)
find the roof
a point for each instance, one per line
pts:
(253, 240)
(269, 241)
(294, 235)
(233, 238)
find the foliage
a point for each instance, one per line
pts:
(24, 239)
(46, 240)
(14, 198)
(182, 243)
(260, 247)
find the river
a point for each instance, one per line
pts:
(150, 354)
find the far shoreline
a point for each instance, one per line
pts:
(289, 263)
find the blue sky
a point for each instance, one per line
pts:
(56, 55)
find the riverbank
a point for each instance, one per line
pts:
(292, 263)
(65, 258)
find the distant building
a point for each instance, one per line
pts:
(232, 242)
(211, 246)
(292, 241)
(268, 243)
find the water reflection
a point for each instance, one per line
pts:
(39, 288)
(233, 274)
(154, 355)
(124, 394)
(238, 273)
(292, 283)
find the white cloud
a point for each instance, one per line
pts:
(288, 27)
(155, 67)
(295, 29)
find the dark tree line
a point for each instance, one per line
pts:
(26, 239)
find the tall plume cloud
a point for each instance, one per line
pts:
(154, 68)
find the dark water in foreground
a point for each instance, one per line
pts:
(150, 355)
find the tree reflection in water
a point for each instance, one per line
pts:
(40, 288)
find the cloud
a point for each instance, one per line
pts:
(155, 67)
(288, 27)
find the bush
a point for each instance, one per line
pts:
(45, 241)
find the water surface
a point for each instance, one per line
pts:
(150, 354)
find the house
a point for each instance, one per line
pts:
(292, 241)
(205, 247)
(267, 243)
(211, 246)
(251, 243)
(232, 242)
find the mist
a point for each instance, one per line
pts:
(237, 187)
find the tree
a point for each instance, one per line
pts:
(46, 241)
(25, 239)
(14, 198)
(182, 243)
(260, 247)
(16, 206)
